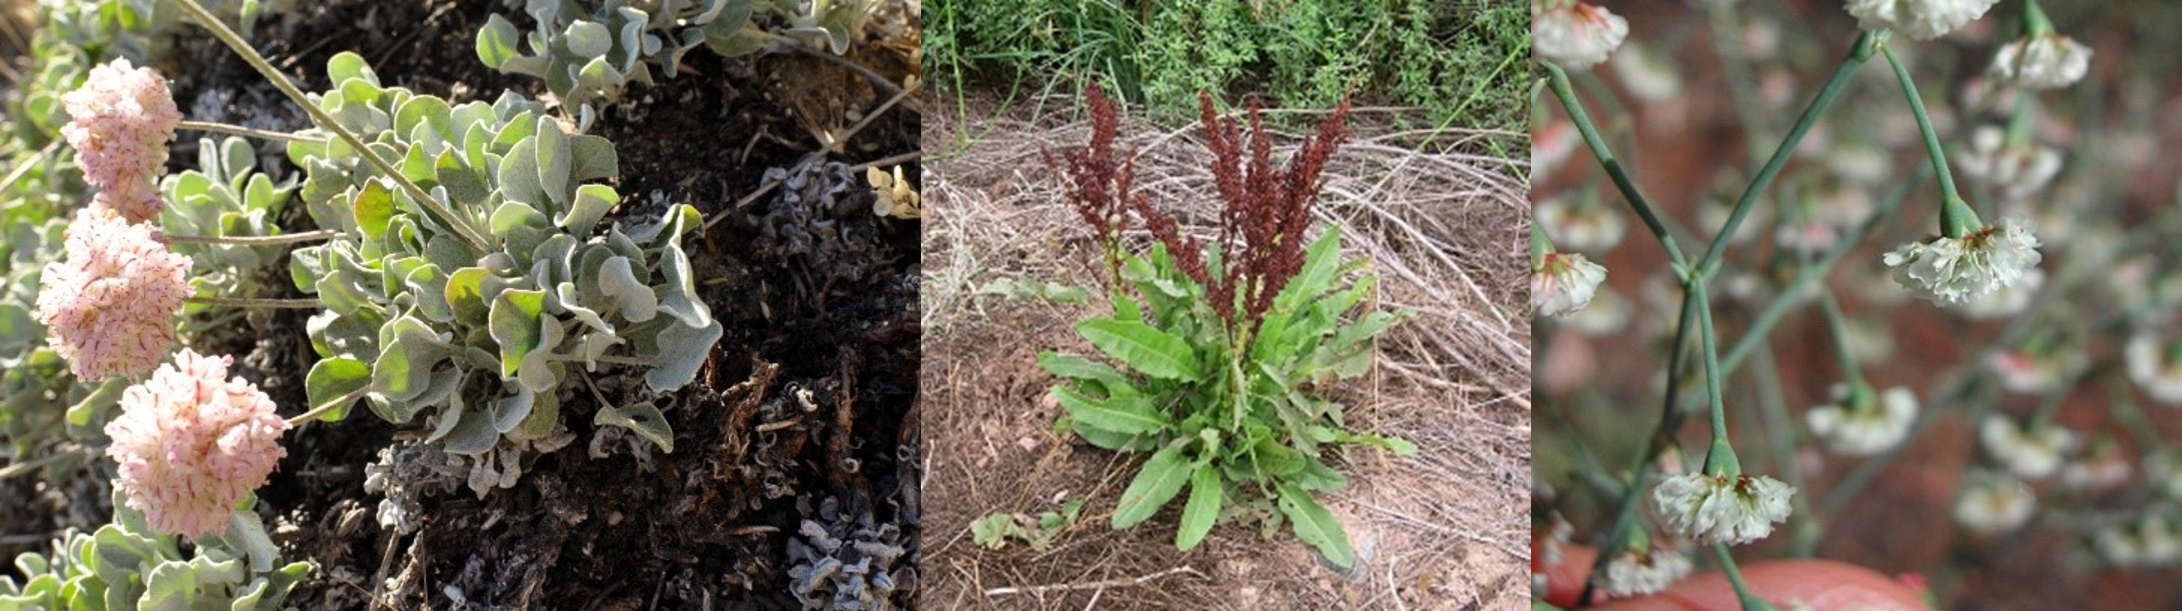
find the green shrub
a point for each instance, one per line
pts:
(1460, 60)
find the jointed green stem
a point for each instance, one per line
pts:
(250, 55)
(1628, 188)
(1858, 53)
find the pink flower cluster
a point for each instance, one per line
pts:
(109, 308)
(122, 119)
(191, 443)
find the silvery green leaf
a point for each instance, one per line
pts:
(538, 371)
(464, 294)
(444, 422)
(510, 410)
(472, 433)
(678, 293)
(333, 378)
(403, 371)
(588, 38)
(568, 300)
(515, 320)
(592, 203)
(554, 163)
(496, 42)
(681, 353)
(618, 282)
(345, 66)
(544, 415)
(594, 345)
(594, 159)
(519, 175)
(641, 418)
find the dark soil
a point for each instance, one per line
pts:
(802, 413)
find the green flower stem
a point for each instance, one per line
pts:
(268, 240)
(2035, 22)
(1706, 338)
(245, 302)
(1741, 85)
(2124, 408)
(1949, 227)
(1670, 413)
(1751, 602)
(24, 168)
(237, 130)
(2042, 417)
(1539, 246)
(321, 410)
(1858, 54)
(1670, 419)
(2020, 123)
(1804, 526)
(1576, 114)
(1837, 327)
(250, 55)
(1813, 274)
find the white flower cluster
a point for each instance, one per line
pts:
(1995, 503)
(1951, 271)
(1564, 283)
(2047, 61)
(2153, 368)
(1867, 426)
(1918, 19)
(2150, 542)
(1712, 509)
(1576, 35)
(2029, 454)
(2017, 170)
(1637, 573)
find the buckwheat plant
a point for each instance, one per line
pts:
(1982, 255)
(1221, 347)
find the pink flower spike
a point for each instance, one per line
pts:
(109, 308)
(123, 117)
(191, 443)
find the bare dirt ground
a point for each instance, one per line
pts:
(1443, 529)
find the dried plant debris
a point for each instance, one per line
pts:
(820, 224)
(846, 559)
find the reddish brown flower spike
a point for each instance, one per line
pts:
(1266, 208)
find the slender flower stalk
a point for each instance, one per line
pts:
(1859, 52)
(219, 30)
(237, 130)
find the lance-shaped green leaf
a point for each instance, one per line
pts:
(1160, 479)
(1142, 347)
(1125, 413)
(641, 418)
(1202, 510)
(1316, 526)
